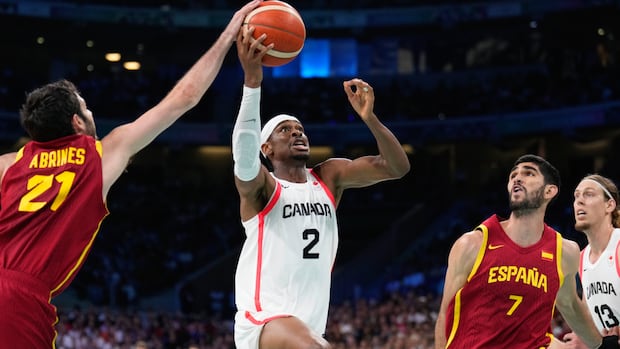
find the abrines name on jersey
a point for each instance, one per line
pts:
(58, 157)
(600, 287)
(306, 209)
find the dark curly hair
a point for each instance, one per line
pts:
(48, 110)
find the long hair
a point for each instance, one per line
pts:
(47, 112)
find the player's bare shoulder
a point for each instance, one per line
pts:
(468, 245)
(570, 256)
(331, 168)
(6, 160)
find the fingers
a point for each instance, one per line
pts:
(247, 8)
(614, 331)
(251, 51)
(357, 86)
(239, 17)
(569, 336)
(257, 45)
(239, 36)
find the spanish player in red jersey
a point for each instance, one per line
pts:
(505, 278)
(53, 190)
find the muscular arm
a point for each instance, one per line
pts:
(126, 140)
(391, 162)
(460, 263)
(573, 310)
(255, 190)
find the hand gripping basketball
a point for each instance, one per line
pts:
(610, 342)
(284, 28)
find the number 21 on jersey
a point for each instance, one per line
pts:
(39, 184)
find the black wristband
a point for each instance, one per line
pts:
(610, 342)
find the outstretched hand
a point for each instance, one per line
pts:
(251, 53)
(237, 20)
(361, 96)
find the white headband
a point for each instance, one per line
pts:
(601, 186)
(272, 124)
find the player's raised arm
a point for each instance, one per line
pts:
(391, 162)
(126, 140)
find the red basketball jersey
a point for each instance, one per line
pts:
(509, 297)
(51, 209)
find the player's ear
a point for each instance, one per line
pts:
(611, 205)
(551, 190)
(266, 149)
(78, 124)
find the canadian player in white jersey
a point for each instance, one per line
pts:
(596, 214)
(601, 283)
(299, 225)
(283, 277)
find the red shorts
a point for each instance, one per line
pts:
(28, 318)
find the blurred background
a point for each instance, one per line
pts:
(467, 86)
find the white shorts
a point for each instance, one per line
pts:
(248, 327)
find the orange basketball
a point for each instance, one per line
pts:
(284, 28)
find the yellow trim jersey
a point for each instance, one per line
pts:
(509, 297)
(52, 207)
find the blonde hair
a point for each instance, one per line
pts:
(611, 192)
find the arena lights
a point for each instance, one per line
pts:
(132, 65)
(112, 56)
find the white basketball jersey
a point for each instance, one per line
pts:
(288, 255)
(601, 284)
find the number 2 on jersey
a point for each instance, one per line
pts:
(39, 184)
(313, 236)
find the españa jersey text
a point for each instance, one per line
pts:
(509, 285)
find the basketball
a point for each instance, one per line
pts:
(284, 28)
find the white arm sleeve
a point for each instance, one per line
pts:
(246, 136)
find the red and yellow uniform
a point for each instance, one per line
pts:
(51, 210)
(509, 296)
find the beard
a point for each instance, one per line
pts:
(90, 129)
(582, 226)
(528, 205)
(303, 157)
